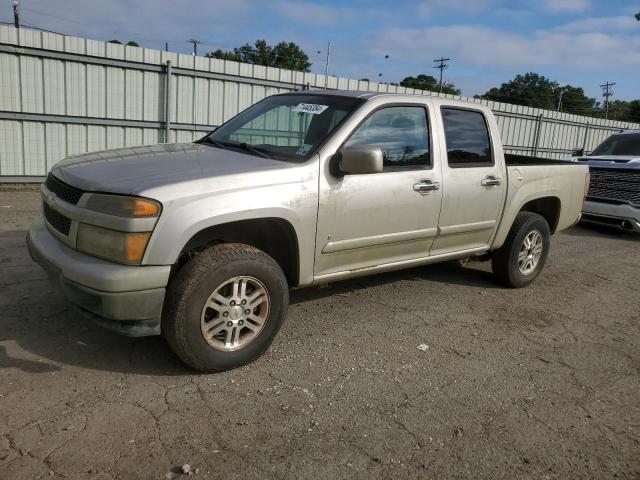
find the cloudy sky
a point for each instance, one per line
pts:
(581, 42)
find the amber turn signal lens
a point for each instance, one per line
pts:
(122, 206)
(136, 245)
(145, 208)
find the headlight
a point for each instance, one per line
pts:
(121, 206)
(121, 247)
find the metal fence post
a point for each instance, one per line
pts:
(537, 137)
(167, 103)
(584, 141)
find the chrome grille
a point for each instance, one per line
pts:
(63, 191)
(57, 220)
(618, 185)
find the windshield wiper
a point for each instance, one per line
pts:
(249, 148)
(213, 142)
(243, 146)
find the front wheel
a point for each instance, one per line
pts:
(522, 257)
(224, 307)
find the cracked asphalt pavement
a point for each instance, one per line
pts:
(541, 382)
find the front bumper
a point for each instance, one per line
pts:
(619, 215)
(126, 299)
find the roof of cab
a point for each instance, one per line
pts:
(369, 95)
(335, 93)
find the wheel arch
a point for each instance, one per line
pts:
(273, 235)
(548, 207)
(546, 204)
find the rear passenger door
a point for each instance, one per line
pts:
(474, 181)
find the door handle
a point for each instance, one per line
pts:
(424, 187)
(490, 181)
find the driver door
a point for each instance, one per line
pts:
(370, 220)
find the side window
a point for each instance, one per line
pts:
(401, 133)
(467, 138)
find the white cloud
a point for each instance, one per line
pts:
(601, 24)
(566, 5)
(427, 8)
(309, 13)
(151, 22)
(482, 46)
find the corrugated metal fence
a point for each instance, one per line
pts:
(61, 95)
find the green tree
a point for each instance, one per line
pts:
(575, 101)
(283, 55)
(290, 56)
(130, 43)
(627, 111)
(618, 110)
(534, 90)
(427, 82)
(530, 89)
(633, 113)
(222, 55)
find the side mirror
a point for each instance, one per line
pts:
(361, 159)
(579, 152)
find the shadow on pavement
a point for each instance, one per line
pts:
(594, 230)
(446, 272)
(44, 324)
(25, 365)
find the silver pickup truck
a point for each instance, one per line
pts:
(614, 191)
(202, 241)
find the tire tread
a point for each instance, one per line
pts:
(500, 260)
(185, 281)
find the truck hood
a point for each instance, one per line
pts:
(134, 170)
(610, 161)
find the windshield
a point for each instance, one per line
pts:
(622, 144)
(284, 127)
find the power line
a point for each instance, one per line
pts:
(560, 99)
(16, 13)
(195, 45)
(84, 24)
(441, 64)
(326, 66)
(606, 93)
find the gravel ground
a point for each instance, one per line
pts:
(539, 383)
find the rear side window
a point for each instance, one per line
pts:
(402, 134)
(467, 138)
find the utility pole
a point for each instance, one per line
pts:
(560, 99)
(441, 64)
(16, 13)
(326, 66)
(195, 46)
(606, 93)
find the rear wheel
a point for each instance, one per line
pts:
(522, 257)
(224, 307)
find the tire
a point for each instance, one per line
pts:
(505, 262)
(201, 293)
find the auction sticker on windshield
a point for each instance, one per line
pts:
(312, 108)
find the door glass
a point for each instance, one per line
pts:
(401, 133)
(467, 138)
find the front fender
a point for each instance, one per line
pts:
(183, 218)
